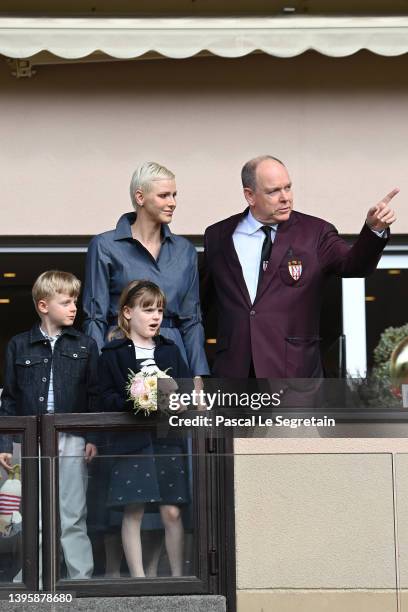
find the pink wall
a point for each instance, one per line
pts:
(71, 136)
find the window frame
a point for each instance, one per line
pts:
(214, 534)
(27, 427)
(354, 311)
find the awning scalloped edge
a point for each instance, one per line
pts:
(72, 39)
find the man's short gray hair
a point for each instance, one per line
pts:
(143, 177)
(248, 172)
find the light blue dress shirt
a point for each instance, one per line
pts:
(248, 240)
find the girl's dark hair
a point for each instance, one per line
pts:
(141, 292)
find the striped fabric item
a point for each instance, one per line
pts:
(9, 503)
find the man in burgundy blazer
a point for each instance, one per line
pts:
(268, 312)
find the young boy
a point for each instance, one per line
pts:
(53, 368)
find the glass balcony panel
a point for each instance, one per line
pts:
(126, 513)
(11, 526)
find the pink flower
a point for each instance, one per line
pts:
(137, 387)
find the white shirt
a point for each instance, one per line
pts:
(248, 240)
(148, 366)
(50, 398)
(144, 353)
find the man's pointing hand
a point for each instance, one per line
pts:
(380, 216)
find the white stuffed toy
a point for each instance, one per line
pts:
(10, 500)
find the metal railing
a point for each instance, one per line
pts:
(212, 503)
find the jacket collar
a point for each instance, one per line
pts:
(158, 340)
(123, 229)
(232, 222)
(37, 336)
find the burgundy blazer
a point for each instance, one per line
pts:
(280, 330)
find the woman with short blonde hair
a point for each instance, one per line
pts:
(142, 246)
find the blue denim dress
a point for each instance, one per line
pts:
(115, 259)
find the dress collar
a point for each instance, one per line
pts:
(123, 229)
(158, 341)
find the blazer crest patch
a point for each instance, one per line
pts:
(295, 269)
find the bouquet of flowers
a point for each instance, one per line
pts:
(143, 392)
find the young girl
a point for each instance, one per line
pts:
(158, 474)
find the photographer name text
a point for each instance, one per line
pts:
(255, 420)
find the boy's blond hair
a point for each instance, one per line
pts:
(49, 283)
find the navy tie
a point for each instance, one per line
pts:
(266, 251)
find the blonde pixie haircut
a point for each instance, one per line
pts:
(49, 283)
(143, 177)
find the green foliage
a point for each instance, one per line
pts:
(382, 353)
(375, 390)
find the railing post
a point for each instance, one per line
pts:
(49, 492)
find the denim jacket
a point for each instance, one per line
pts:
(29, 359)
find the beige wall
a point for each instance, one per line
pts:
(319, 601)
(308, 522)
(72, 134)
(313, 529)
(319, 524)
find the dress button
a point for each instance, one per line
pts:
(28, 362)
(75, 355)
(44, 379)
(46, 360)
(252, 312)
(41, 398)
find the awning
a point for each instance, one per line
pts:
(127, 38)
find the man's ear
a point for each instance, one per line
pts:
(249, 195)
(42, 306)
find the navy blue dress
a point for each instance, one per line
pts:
(157, 470)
